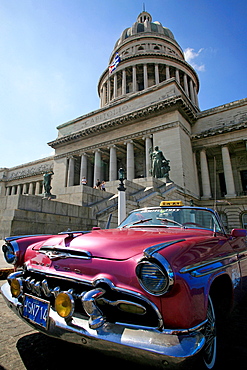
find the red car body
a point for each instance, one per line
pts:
(151, 286)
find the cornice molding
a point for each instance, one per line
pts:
(123, 139)
(219, 131)
(128, 118)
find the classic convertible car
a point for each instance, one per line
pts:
(154, 287)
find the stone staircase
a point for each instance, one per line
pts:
(139, 194)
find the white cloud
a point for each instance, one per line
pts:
(190, 54)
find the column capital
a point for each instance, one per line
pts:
(84, 153)
(97, 150)
(148, 136)
(112, 146)
(130, 141)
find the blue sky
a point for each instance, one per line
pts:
(52, 53)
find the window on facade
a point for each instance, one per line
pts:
(244, 180)
(244, 220)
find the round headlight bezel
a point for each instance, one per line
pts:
(65, 297)
(164, 277)
(10, 253)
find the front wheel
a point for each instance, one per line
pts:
(209, 351)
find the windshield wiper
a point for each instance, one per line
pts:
(138, 222)
(171, 221)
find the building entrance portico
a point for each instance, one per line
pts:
(103, 162)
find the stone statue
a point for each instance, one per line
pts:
(47, 183)
(160, 165)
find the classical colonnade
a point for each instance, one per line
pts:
(113, 162)
(228, 173)
(141, 76)
(35, 187)
(31, 188)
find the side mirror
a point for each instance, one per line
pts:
(238, 233)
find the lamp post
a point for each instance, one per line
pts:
(121, 196)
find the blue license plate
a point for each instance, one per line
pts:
(36, 310)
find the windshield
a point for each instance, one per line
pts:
(180, 217)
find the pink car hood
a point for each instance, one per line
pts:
(121, 244)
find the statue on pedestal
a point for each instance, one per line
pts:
(160, 165)
(47, 184)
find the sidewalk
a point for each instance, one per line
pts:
(5, 268)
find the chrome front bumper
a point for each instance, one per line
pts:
(155, 345)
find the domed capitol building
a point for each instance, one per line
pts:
(148, 99)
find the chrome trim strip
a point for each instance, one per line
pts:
(12, 238)
(57, 252)
(148, 252)
(198, 327)
(191, 268)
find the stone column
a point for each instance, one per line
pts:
(108, 90)
(115, 86)
(177, 76)
(148, 145)
(13, 190)
(167, 72)
(97, 166)
(8, 190)
(134, 78)
(145, 76)
(196, 97)
(19, 189)
(230, 186)
(206, 188)
(192, 92)
(31, 188)
(130, 161)
(71, 171)
(37, 188)
(103, 96)
(83, 170)
(186, 88)
(113, 164)
(24, 190)
(124, 82)
(156, 72)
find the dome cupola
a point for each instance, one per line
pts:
(145, 55)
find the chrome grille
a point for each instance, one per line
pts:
(110, 303)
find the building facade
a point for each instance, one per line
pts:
(148, 98)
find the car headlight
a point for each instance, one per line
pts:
(9, 253)
(153, 278)
(16, 287)
(64, 304)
